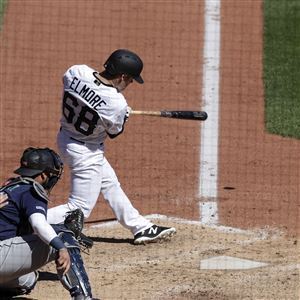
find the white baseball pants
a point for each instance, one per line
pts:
(91, 174)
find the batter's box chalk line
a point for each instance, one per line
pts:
(254, 235)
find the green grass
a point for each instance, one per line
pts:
(282, 66)
(2, 10)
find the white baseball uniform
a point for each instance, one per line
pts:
(90, 111)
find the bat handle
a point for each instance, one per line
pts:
(146, 113)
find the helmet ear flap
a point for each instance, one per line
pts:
(110, 68)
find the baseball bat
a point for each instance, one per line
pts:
(176, 114)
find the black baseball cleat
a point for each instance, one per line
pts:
(153, 234)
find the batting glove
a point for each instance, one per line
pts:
(128, 111)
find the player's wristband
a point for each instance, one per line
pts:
(57, 243)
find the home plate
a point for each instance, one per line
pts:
(229, 263)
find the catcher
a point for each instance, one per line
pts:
(27, 241)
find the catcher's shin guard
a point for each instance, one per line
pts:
(76, 280)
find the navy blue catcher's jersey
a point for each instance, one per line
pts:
(23, 201)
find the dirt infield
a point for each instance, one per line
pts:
(157, 160)
(172, 270)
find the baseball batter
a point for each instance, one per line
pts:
(93, 108)
(27, 241)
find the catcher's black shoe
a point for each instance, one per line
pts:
(153, 234)
(74, 221)
(9, 293)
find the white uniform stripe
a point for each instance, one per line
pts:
(210, 102)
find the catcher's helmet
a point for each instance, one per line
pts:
(35, 161)
(123, 61)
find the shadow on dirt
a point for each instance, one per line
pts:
(43, 276)
(111, 240)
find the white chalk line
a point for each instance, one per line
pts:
(208, 176)
(256, 235)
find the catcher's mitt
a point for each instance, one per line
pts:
(74, 221)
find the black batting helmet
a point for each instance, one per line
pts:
(35, 161)
(123, 61)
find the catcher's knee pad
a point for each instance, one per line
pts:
(76, 280)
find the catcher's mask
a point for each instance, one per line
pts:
(35, 161)
(123, 61)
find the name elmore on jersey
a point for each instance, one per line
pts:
(89, 95)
